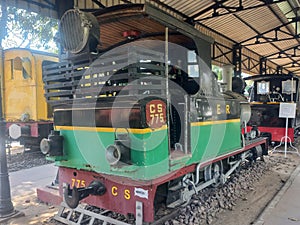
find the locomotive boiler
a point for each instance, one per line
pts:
(139, 120)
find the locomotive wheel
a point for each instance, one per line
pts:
(214, 171)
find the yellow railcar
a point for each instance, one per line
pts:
(28, 116)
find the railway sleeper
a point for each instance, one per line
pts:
(81, 215)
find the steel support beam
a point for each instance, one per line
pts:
(217, 9)
(237, 60)
(279, 70)
(262, 65)
(273, 34)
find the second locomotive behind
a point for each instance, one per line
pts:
(267, 93)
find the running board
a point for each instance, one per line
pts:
(81, 215)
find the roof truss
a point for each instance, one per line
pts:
(259, 36)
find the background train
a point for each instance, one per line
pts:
(139, 120)
(267, 93)
(28, 115)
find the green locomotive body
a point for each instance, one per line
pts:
(149, 152)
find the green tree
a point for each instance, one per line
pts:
(218, 71)
(27, 30)
(3, 22)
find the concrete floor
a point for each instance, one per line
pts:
(23, 185)
(284, 209)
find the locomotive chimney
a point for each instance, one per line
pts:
(227, 77)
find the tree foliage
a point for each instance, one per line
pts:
(218, 71)
(29, 30)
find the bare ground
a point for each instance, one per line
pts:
(248, 208)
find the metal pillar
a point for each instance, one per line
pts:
(237, 60)
(279, 70)
(6, 206)
(7, 210)
(262, 65)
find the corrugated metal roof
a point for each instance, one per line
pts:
(235, 27)
(242, 25)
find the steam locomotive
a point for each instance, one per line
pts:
(267, 92)
(139, 120)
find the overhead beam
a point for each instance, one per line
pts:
(126, 1)
(282, 51)
(268, 40)
(170, 8)
(275, 32)
(222, 54)
(174, 23)
(98, 3)
(288, 28)
(212, 7)
(230, 9)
